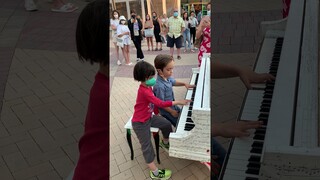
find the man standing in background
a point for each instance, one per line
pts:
(175, 28)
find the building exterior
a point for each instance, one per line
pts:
(143, 7)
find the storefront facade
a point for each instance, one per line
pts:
(143, 7)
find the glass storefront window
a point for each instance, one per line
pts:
(136, 5)
(122, 8)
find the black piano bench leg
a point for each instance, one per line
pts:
(130, 142)
(156, 141)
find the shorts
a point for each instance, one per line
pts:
(171, 41)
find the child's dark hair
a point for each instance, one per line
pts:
(162, 60)
(142, 71)
(92, 34)
(187, 18)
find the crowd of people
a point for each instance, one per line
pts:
(173, 31)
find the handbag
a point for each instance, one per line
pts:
(197, 43)
(148, 32)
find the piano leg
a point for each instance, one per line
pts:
(156, 141)
(130, 142)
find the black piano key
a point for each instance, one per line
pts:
(189, 120)
(267, 96)
(256, 150)
(253, 171)
(264, 109)
(258, 136)
(260, 131)
(189, 127)
(253, 165)
(257, 144)
(254, 158)
(263, 116)
(251, 178)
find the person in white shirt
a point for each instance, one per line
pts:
(186, 32)
(124, 39)
(114, 22)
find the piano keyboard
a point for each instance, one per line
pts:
(243, 161)
(185, 118)
(191, 140)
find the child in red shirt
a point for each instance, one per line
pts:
(143, 119)
(91, 35)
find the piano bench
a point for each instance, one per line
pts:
(154, 131)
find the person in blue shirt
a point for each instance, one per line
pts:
(163, 88)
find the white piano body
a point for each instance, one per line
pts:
(287, 146)
(191, 140)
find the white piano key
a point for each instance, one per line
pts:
(265, 58)
(233, 177)
(237, 164)
(252, 105)
(231, 174)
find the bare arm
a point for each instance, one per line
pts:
(246, 75)
(234, 129)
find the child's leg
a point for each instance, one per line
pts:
(128, 53)
(163, 124)
(123, 52)
(151, 41)
(143, 133)
(117, 50)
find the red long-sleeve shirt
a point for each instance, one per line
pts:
(145, 104)
(93, 163)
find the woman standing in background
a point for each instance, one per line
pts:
(157, 30)
(114, 22)
(148, 26)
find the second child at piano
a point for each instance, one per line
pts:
(163, 89)
(143, 118)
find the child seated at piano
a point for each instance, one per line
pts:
(163, 88)
(143, 119)
(232, 129)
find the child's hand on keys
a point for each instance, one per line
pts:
(185, 101)
(189, 86)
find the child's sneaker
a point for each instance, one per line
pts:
(164, 146)
(163, 174)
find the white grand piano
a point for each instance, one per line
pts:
(191, 140)
(287, 146)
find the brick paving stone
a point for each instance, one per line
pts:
(72, 151)
(123, 175)
(15, 161)
(51, 175)
(42, 137)
(33, 171)
(45, 156)
(5, 173)
(8, 149)
(62, 165)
